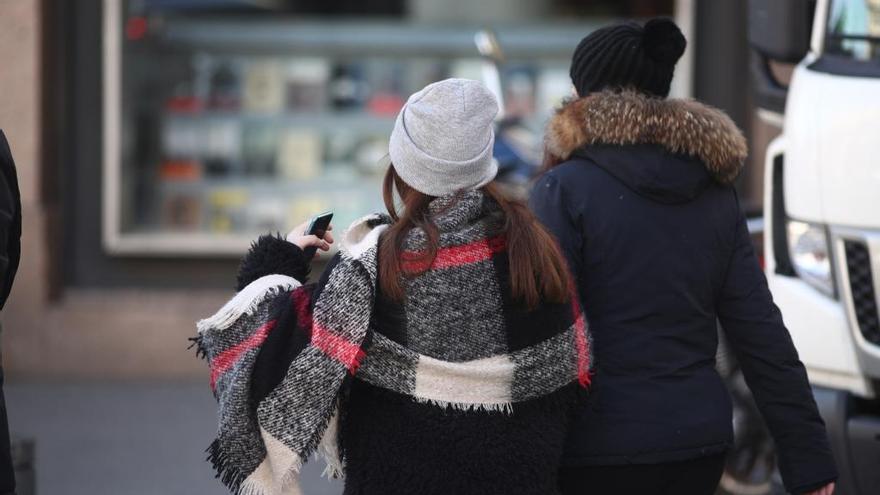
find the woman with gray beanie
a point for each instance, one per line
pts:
(440, 352)
(638, 191)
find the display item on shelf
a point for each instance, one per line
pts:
(222, 147)
(348, 86)
(180, 170)
(306, 81)
(265, 214)
(225, 87)
(181, 138)
(339, 146)
(387, 82)
(182, 212)
(227, 209)
(299, 157)
(259, 149)
(264, 87)
(183, 98)
(369, 154)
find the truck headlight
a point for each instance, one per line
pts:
(808, 244)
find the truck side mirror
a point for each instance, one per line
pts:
(780, 29)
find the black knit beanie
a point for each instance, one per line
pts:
(628, 56)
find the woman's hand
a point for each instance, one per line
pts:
(825, 490)
(297, 236)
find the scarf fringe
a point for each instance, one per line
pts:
(329, 448)
(332, 472)
(236, 481)
(253, 489)
(500, 407)
(224, 469)
(199, 343)
(247, 301)
(291, 478)
(314, 444)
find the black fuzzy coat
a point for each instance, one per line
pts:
(395, 445)
(644, 210)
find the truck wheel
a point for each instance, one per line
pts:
(750, 468)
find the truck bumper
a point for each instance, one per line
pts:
(821, 332)
(854, 431)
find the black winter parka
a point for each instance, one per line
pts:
(643, 208)
(10, 252)
(10, 220)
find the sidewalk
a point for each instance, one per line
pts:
(125, 439)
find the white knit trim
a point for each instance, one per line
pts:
(360, 236)
(247, 300)
(278, 474)
(329, 448)
(481, 384)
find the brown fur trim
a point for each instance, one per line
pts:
(680, 126)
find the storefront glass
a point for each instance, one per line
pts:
(221, 127)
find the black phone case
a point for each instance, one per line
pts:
(319, 225)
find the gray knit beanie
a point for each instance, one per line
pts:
(443, 137)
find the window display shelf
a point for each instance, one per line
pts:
(261, 185)
(357, 36)
(217, 129)
(355, 121)
(163, 243)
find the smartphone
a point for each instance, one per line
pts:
(318, 226)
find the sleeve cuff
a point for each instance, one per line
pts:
(811, 487)
(272, 254)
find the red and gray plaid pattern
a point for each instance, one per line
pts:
(460, 350)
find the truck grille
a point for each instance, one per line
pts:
(858, 263)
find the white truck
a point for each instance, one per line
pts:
(822, 208)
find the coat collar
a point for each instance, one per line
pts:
(625, 118)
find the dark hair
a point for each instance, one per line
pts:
(537, 269)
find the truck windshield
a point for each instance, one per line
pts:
(854, 29)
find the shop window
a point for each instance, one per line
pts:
(223, 124)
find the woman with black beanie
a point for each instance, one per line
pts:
(638, 190)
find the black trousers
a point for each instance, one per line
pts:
(695, 477)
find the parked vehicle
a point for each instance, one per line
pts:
(822, 217)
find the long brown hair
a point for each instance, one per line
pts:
(537, 269)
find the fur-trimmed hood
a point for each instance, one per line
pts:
(684, 127)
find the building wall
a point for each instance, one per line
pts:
(87, 333)
(19, 118)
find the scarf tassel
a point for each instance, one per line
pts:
(199, 344)
(226, 471)
(500, 407)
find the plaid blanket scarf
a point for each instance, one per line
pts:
(281, 353)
